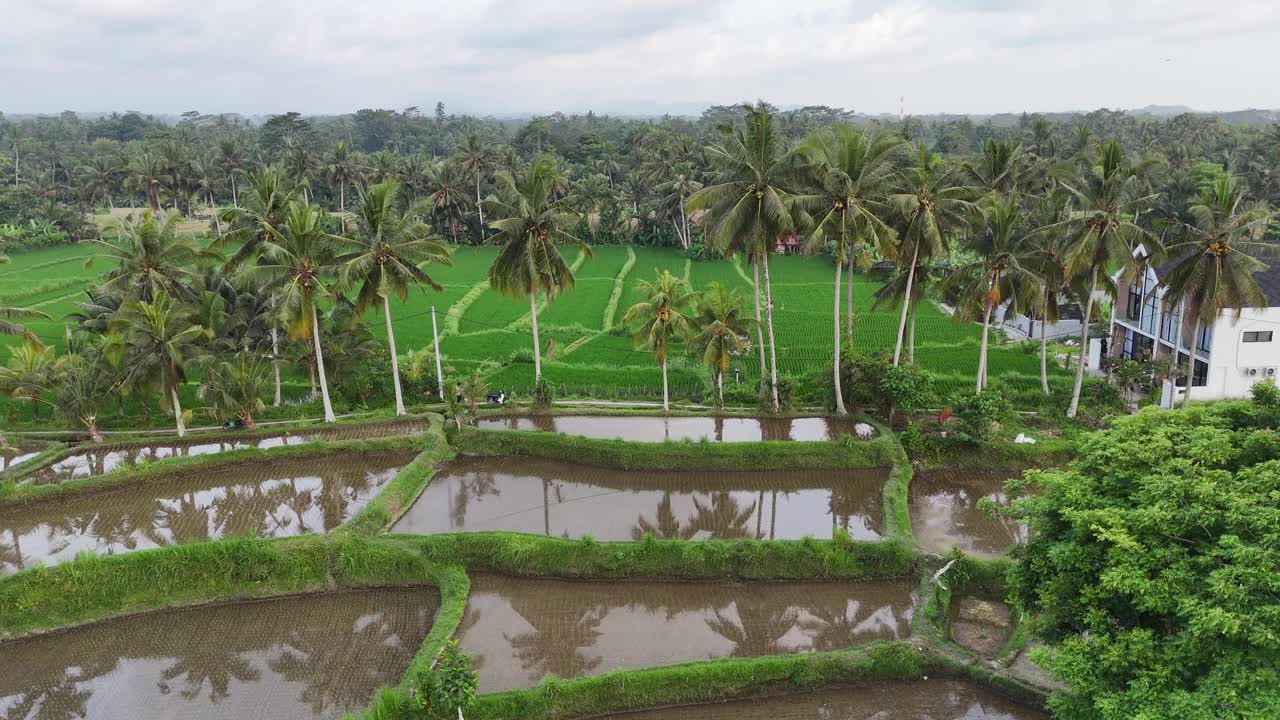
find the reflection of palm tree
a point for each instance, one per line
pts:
(666, 526)
(558, 647)
(761, 623)
(838, 624)
(325, 668)
(241, 510)
(206, 664)
(11, 554)
(187, 522)
(471, 486)
(723, 517)
(60, 699)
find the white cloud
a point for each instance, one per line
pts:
(634, 55)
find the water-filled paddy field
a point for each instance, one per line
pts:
(562, 499)
(521, 629)
(933, 699)
(15, 453)
(945, 511)
(653, 428)
(316, 656)
(267, 498)
(101, 459)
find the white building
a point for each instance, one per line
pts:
(1231, 354)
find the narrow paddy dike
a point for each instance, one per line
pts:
(270, 497)
(936, 699)
(93, 460)
(313, 656)
(521, 629)
(558, 499)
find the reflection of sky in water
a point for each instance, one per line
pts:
(567, 500)
(641, 428)
(266, 502)
(521, 629)
(945, 512)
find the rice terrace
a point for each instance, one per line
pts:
(597, 389)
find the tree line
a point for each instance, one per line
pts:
(1034, 223)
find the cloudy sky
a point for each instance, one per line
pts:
(641, 56)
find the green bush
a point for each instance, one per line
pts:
(906, 387)
(543, 395)
(368, 384)
(980, 413)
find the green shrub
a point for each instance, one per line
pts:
(906, 387)
(543, 395)
(1265, 394)
(981, 412)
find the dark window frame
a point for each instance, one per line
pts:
(1258, 336)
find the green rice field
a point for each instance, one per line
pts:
(590, 353)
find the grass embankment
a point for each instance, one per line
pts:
(878, 452)
(12, 491)
(535, 555)
(404, 489)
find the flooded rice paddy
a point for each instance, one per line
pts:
(945, 512)
(560, 499)
(652, 428)
(269, 498)
(519, 630)
(16, 453)
(316, 656)
(99, 460)
(935, 699)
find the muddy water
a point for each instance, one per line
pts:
(519, 630)
(937, 699)
(945, 513)
(106, 458)
(649, 428)
(317, 656)
(566, 500)
(287, 496)
(13, 454)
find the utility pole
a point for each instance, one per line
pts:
(435, 339)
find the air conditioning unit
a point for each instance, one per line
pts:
(1253, 371)
(1271, 372)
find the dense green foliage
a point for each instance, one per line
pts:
(1154, 562)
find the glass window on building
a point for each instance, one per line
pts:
(1257, 336)
(1204, 339)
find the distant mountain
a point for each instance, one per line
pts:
(1163, 111)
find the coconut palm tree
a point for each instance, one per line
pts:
(32, 370)
(98, 179)
(477, 159)
(342, 170)
(394, 250)
(531, 226)
(147, 173)
(746, 204)
(1046, 259)
(849, 174)
(928, 207)
(86, 382)
(266, 198)
(150, 256)
(1216, 259)
(663, 316)
(234, 388)
(231, 162)
(725, 331)
(448, 197)
(161, 340)
(998, 271)
(999, 169)
(1100, 235)
(298, 258)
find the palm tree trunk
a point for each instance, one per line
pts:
(217, 224)
(1191, 358)
(479, 207)
(275, 354)
(835, 370)
(537, 346)
(911, 336)
(848, 304)
(1074, 408)
(684, 220)
(235, 194)
(92, 426)
(906, 300)
(755, 286)
(982, 352)
(177, 409)
(324, 383)
(342, 204)
(773, 348)
(720, 386)
(1044, 346)
(395, 362)
(666, 405)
